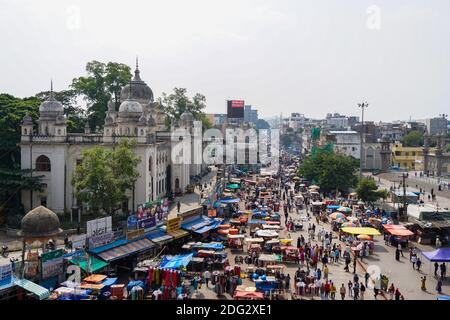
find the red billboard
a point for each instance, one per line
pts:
(235, 109)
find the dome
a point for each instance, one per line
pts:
(27, 120)
(51, 105)
(130, 106)
(187, 117)
(40, 223)
(137, 90)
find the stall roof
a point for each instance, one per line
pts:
(95, 264)
(108, 246)
(176, 262)
(254, 240)
(400, 232)
(126, 250)
(368, 231)
(202, 224)
(439, 255)
(158, 236)
(231, 200)
(177, 234)
(34, 288)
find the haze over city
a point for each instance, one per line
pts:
(311, 57)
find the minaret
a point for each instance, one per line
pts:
(426, 151)
(385, 153)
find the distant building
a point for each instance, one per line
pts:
(337, 121)
(250, 115)
(407, 158)
(219, 119)
(435, 125)
(347, 142)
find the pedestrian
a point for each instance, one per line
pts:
(397, 294)
(207, 276)
(325, 272)
(350, 288)
(342, 291)
(356, 291)
(418, 263)
(362, 290)
(366, 278)
(439, 286)
(423, 283)
(333, 291)
(413, 261)
(178, 206)
(397, 255)
(354, 265)
(443, 271)
(436, 268)
(391, 291)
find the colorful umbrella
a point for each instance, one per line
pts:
(364, 237)
(148, 204)
(344, 210)
(348, 225)
(314, 187)
(336, 215)
(341, 220)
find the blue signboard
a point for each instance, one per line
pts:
(146, 223)
(132, 222)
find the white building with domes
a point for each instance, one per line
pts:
(54, 153)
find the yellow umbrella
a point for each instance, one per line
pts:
(366, 231)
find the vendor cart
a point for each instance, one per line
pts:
(236, 241)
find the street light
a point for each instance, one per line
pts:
(362, 106)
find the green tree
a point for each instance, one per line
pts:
(176, 103)
(331, 171)
(367, 191)
(102, 82)
(447, 148)
(413, 139)
(103, 177)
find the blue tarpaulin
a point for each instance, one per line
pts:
(132, 284)
(176, 262)
(108, 246)
(207, 228)
(212, 246)
(201, 224)
(333, 206)
(109, 282)
(230, 200)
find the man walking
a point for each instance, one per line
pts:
(207, 276)
(178, 206)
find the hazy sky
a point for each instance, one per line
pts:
(311, 57)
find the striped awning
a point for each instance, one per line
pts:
(177, 234)
(127, 249)
(34, 288)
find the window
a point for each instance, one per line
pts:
(25, 131)
(43, 163)
(59, 131)
(44, 201)
(142, 132)
(150, 164)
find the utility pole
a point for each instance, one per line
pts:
(404, 196)
(362, 106)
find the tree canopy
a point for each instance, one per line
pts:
(176, 103)
(367, 191)
(102, 82)
(103, 176)
(413, 139)
(331, 171)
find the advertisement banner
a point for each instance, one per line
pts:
(78, 241)
(146, 223)
(52, 263)
(99, 226)
(5, 274)
(132, 222)
(173, 224)
(101, 240)
(135, 234)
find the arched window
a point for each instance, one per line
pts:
(150, 164)
(43, 163)
(142, 132)
(128, 131)
(25, 131)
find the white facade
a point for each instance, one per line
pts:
(54, 153)
(347, 142)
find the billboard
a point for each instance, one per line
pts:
(52, 263)
(235, 108)
(99, 226)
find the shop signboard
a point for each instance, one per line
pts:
(101, 240)
(146, 223)
(192, 213)
(78, 241)
(173, 224)
(132, 222)
(5, 274)
(135, 234)
(99, 226)
(52, 263)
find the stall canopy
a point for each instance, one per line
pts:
(94, 263)
(158, 236)
(108, 246)
(367, 231)
(41, 292)
(126, 250)
(233, 186)
(439, 255)
(332, 206)
(249, 295)
(209, 246)
(175, 262)
(201, 224)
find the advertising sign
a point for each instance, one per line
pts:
(5, 274)
(135, 234)
(192, 213)
(146, 223)
(173, 224)
(101, 240)
(99, 226)
(78, 241)
(235, 108)
(132, 222)
(52, 263)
